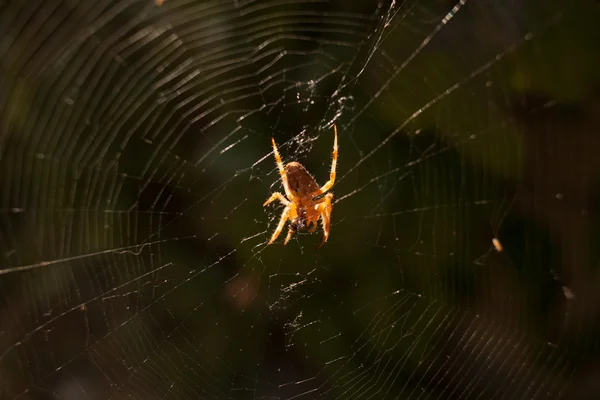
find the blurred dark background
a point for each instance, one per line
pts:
(135, 157)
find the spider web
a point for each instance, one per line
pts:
(135, 157)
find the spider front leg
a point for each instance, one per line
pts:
(289, 236)
(325, 207)
(284, 217)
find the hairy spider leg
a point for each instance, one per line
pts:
(325, 207)
(331, 180)
(281, 168)
(289, 236)
(284, 217)
(277, 196)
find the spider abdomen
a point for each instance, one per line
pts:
(300, 181)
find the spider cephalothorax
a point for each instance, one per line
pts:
(299, 223)
(301, 207)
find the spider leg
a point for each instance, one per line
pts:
(289, 236)
(277, 196)
(325, 208)
(329, 184)
(284, 217)
(282, 173)
(313, 227)
(326, 218)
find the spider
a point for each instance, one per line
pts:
(301, 207)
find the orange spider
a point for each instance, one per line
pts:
(301, 207)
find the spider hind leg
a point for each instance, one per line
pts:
(282, 173)
(329, 184)
(277, 196)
